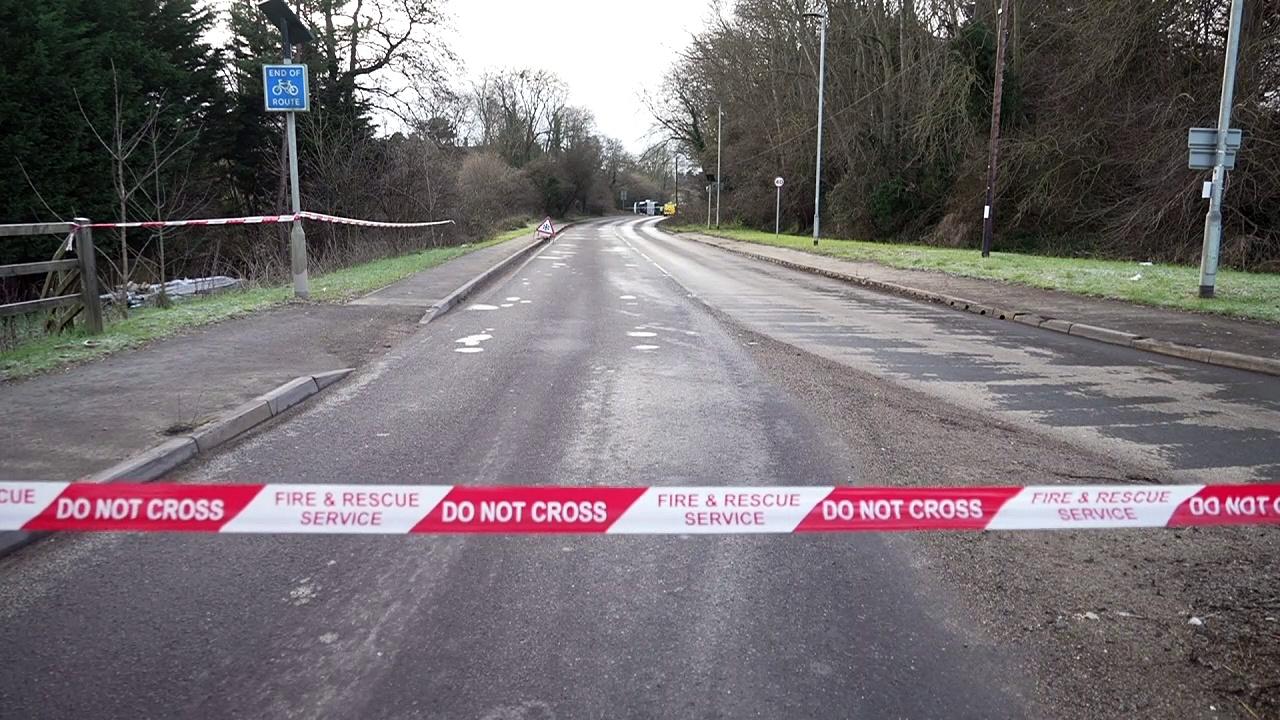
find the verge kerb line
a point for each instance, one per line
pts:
(1110, 336)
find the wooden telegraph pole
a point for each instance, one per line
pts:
(989, 208)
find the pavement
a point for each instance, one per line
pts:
(620, 355)
(70, 423)
(422, 290)
(1186, 328)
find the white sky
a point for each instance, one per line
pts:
(602, 49)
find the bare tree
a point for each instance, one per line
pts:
(387, 52)
(121, 145)
(516, 112)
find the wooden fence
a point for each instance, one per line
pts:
(82, 266)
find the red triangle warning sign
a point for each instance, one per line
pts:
(546, 229)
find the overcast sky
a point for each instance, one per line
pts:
(601, 48)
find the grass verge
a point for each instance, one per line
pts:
(1253, 296)
(150, 323)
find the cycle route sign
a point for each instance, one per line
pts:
(284, 88)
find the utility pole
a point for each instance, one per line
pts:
(989, 208)
(817, 174)
(719, 180)
(1213, 219)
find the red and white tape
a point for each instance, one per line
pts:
(370, 223)
(251, 220)
(267, 219)
(399, 509)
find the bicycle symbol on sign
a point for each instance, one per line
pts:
(285, 87)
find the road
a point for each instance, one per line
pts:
(621, 356)
(1190, 421)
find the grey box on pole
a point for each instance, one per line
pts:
(1202, 147)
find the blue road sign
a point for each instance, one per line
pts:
(284, 88)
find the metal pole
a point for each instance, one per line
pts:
(777, 212)
(719, 180)
(988, 209)
(708, 207)
(297, 237)
(1213, 220)
(817, 174)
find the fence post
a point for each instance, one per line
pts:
(88, 276)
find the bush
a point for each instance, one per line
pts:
(490, 191)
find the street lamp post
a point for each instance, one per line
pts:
(719, 180)
(293, 32)
(1213, 219)
(817, 174)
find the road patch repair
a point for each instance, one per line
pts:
(448, 509)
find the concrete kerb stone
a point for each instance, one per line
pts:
(264, 407)
(290, 394)
(1173, 349)
(1209, 356)
(325, 379)
(1062, 326)
(1101, 334)
(1240, 361)
(149, 464)
(454, 298)
(231, 424)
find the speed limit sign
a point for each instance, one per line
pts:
(777, 182)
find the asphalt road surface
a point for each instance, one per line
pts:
(617, 356)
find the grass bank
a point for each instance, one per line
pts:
(1254, 296)
(150, 323)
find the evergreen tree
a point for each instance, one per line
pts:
(69, 68)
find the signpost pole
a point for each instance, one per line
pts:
(708, 207)
(1213, 219)
(777, 206)
(297, 236)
